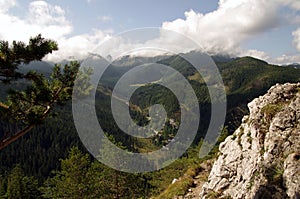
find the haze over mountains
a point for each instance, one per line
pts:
(127, 61)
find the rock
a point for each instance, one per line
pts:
(292, 175)
(174, 180)
(261, 158)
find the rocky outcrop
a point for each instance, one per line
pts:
(262, 158)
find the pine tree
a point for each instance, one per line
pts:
(80, 177)
(11, 56)
(24, 109)
(20, 186)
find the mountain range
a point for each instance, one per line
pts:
(245, 78)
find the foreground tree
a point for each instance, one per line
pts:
(26, 108)
(80, 177)
(18, 186)
(11, 56)
(73, 180)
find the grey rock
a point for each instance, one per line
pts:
(292, 174)
(261, 158)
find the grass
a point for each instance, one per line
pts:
(251, 182)
(145, 145)
(180, 187)
(186, 181)
(250, 185)
(240, 137)
(262, 151)
(184, 169)
(233, 137)
(213, 195)
(270, 111)
(249, 137)
(196, 77)
(274, 174)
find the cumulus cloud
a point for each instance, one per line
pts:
(79, 46)
(294, 4)
(42, 18)
(254, 53)
(51, 22)
(224, 30)
(286, 59)
(5, 5)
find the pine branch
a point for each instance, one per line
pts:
(4, 143)
(32, 106)
(3, 106)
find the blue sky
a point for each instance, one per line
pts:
(267, 29)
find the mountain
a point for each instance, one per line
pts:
(295, 65)
(137, 60)
(246, 78)
(222, 58)
(261, 158)
(40, 66)
(40, 150)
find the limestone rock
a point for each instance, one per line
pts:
(261, 158)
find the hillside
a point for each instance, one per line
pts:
(246, 78)
(39, 151)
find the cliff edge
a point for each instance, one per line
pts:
(262, 158)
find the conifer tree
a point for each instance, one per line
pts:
(24, 109)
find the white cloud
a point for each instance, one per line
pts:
(51, 22)
(42, 18)
(286, 59)
(224, 30)
(254, 53)
(5, 5)
(78, 46)
(294, 4)
(296, 35)
(105, 18)
(290, 59)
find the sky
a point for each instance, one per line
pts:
(265, 29)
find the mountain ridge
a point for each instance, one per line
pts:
(51, 141)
